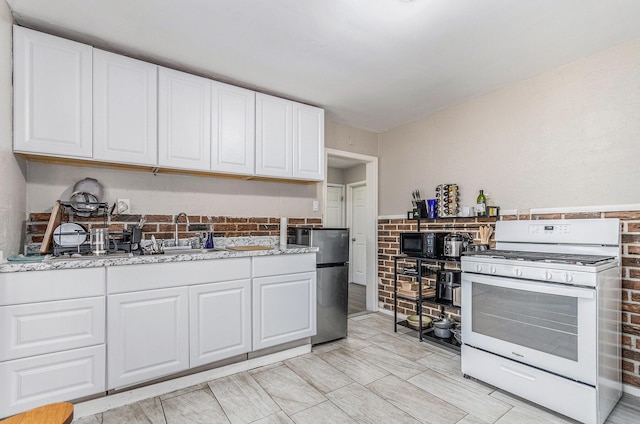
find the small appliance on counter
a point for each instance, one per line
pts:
(426, 245)
(333, 278)
(447, 283)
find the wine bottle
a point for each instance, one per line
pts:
(481, 204)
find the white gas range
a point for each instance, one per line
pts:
(541, 314)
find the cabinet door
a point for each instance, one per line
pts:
(148, 335)
(220, 321)
(308, 142)
(31, 382)
(47, 327)
(125, 109)
(52, 95)
(284, 309)
(184, 120)
(274, 136)
(233, 136)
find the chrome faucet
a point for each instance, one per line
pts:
(176, 222)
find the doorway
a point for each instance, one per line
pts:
(366, 187)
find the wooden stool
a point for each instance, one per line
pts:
(54, 413)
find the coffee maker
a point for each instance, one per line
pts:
(447, 281)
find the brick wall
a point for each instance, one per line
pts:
(388, 246)
(162, 226)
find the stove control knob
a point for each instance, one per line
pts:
(517, 272)
(492, 269)
(478, 268)
(566, 277)
(546, 275)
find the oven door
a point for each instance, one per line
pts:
(549, 326)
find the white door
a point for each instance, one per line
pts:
(334, 204)
(232, 129)
(220, 321)
(284, 309)
(148, 335)
(308, 142)
(52, 94)
(358, 214)
(184, 120)
(274, 136)
(125, 109)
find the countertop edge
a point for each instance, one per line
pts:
(106, 261)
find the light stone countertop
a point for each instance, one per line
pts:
(119, 259)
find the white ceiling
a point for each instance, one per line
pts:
(372, 64)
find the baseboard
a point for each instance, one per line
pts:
(632, 390)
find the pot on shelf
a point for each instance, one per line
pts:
(442, 327)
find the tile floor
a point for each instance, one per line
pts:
(373, 376)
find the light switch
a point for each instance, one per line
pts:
(316, 206)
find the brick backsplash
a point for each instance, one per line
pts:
(388, 246)
(162, 227)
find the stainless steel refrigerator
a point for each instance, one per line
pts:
(332, 263)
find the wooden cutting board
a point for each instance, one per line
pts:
(45, 247)
(245, 248)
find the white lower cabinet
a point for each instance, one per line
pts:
(34, 381)
(51, 337)
(148, 335)
(220, 321)
(284, 305)
(45, 327)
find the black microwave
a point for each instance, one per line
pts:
(427, 245)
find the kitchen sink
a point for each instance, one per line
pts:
(188, 250)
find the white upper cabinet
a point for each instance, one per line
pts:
(71, 100)
(232, 129)
(52, 95)
(289, 139)
(274, 136)
(184, 114)
(308, 142)
(125, 109)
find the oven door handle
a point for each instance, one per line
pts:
(553, 289)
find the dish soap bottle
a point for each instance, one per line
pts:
(208, 243)
(481, 204)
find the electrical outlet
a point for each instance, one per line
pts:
(316, 206)
(122, 205)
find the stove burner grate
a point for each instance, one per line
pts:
(555, 258)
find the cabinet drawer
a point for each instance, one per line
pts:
(44, 286)
(131, 278)
(264, 266)
(38, 380)
(38, 328)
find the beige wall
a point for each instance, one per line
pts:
(342, 137)
(170, 194)
(355, 174)
(567, 138)
(12, 177)
(335, 175)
